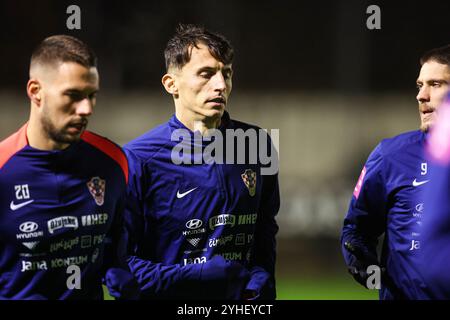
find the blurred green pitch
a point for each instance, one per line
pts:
(328, 288)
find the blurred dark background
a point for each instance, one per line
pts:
(282, 45)
(311, 69)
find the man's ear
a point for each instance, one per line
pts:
(169, 83)
(34, 91)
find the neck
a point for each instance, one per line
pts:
(38, 138)
(194, 123)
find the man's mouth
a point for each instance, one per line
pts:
(78, 126)
(427, 111)
(218, 100)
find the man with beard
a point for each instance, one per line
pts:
(62, 189)
(388, 197)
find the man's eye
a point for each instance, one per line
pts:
(206, 75)
(436, 84)
(418, 86)
(75, 96)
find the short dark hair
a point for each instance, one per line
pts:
(63, 48)
(440, 55)
(179, 48)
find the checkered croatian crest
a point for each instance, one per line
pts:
(96, 187)
(249, 178)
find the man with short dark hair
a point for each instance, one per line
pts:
(200, 229)
(62, 188)
(388, 196)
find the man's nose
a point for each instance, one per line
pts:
(85, 107)
(424, 94)
(219, 82)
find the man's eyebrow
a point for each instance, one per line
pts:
(78, 91)
(206, 68)
(437, 80)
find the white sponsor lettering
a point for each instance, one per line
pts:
(194, 260)
(215, 242)
(22, 192)
(33, 265)
(192, 232)
(37, 234)
(74, 280)
(415, 245)
(221, 220)
(62, 222)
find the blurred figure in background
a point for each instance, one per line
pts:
(388, 196)
(435, 238)
(200, 230)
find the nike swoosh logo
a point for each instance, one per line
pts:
(14, 207)
(419, 183)
(181, 195)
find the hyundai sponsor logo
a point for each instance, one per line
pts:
(28, 226)
(194, 224)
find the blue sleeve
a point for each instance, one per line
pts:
(116, 273)
(115, 249)
(262, 264)
(435, 234)
(366, 217)
(155, 279)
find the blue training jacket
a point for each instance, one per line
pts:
(388, 200)
(57, 209)
(181, 215)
